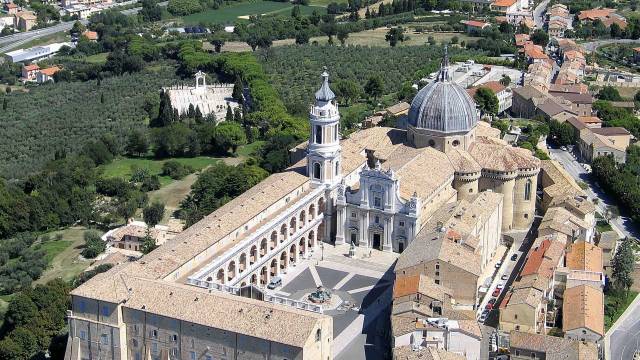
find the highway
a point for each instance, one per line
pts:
(11, 42)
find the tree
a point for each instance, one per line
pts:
(21, 311)
(505, 80)
(487, 100)
(394, 35)
(237, 90)
(126, 208)
(229, 114)
(611, 212)
(615, 30)
(374, 87)
(77, 28)
(295, 12)
(137, 143)
(217, 43)
(148, 244)
(153, 214)
(609, 93)
(94, 245)
(636, 98)
(348, 90)
(540, 37)
(302, 37)
(623, 264)
(343, 34)
(230, 135)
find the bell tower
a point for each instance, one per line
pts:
(323, 157)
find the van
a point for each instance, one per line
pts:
(274, 283)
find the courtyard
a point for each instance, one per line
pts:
(361, 290)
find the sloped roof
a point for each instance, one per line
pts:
(583, 307)
(584, 256)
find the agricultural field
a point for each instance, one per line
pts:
(229, 14)
(376, 37)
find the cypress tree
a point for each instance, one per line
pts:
(229, 115)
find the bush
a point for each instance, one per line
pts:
(184, 7)
(175, 169)
(94, 245)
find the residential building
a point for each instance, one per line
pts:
(604, 142)
(502, 93)
(524, 307)
(418, 295)
(522, 39)
(560, 221)
(525, 100)
(559, 189)
(132, 236)
(29, 72)
(504, 6)
(583, 313)
(428, 353)
(608, 243)
(583, 266)
(518, 17)
(580, 104)
(526, 346)
(474, 26)
(45, 75)
(607, 16)
(24, 20)
(10, 8)
(90, 35)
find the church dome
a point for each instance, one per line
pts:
(443, 106)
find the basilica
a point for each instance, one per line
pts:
(440, 192)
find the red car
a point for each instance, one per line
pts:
(489, 306)
(496, 292)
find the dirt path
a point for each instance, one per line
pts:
(67, 264)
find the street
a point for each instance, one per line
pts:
(11, 42)
(593, 45)
(538, 14)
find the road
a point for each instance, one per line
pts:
(624, 337)
(14, 41)
(538, 14)
(622, 224)
(593, 45)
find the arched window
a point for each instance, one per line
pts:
(336, 133)
(316, 170)
(318, 134)
(455, 143)
(527, 190)
(337, 168)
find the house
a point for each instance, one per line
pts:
(567, 226)
(522, 39)
(518, 17)
(583, 265)
(11, 8)
(504, 6)
(524, 308)
(534, 53)
(554, 108)
(603, 142)
(583, 313)
(580, 122)
(580, 104)
(420, 295)
(525, 100)
(502, 93)
(132, 236)
(556, 28)
(24, 20)
(559, 189)
(29, 72)
(608, 243)
(90, 35)
(607, 16)
(525, 346)
(474, 26)
(45, 75)
(554, 89)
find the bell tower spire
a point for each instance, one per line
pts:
(323, 157)
(443, 76)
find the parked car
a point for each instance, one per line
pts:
(274, 283)
(496, 292)
(563, 148)
(483, 316)
(492, 301)
(514, 257)
(489, 306)
(498, 264)
(504, 277)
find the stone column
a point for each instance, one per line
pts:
(364, 234)
(388, 236)
(341, 219)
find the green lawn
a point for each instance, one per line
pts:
(121, 167)
(250, 149)
(603, 226)
(615, 303)
(99, 59)
(325, 3)
(231, 13)
(63, 255)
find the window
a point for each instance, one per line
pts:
(174, 338)
(208, 357)
(316, 170)
(318, 334)
(337, 168)
(105, 311)
(134, 343)
(138, 357)
(437, 282)
(437, 273)
(527, 190)
(192, 355)
(336, 133)
(401, 223)
(377, 219)
(471, 190)
(515, 317)
(318, 134)
(174, 352)
(104, 339)
(517, 352)
(82, 306)
(377, 202)
(533, 355)
(353, 214)
(154, 334)
(437, 266)
(455, 143)
(83, 335)
(154, 348)
(135, 329)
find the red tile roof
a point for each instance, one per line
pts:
(535, 259)
(91, 35)
(32, 67)
(50, 71)
(504, 3)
